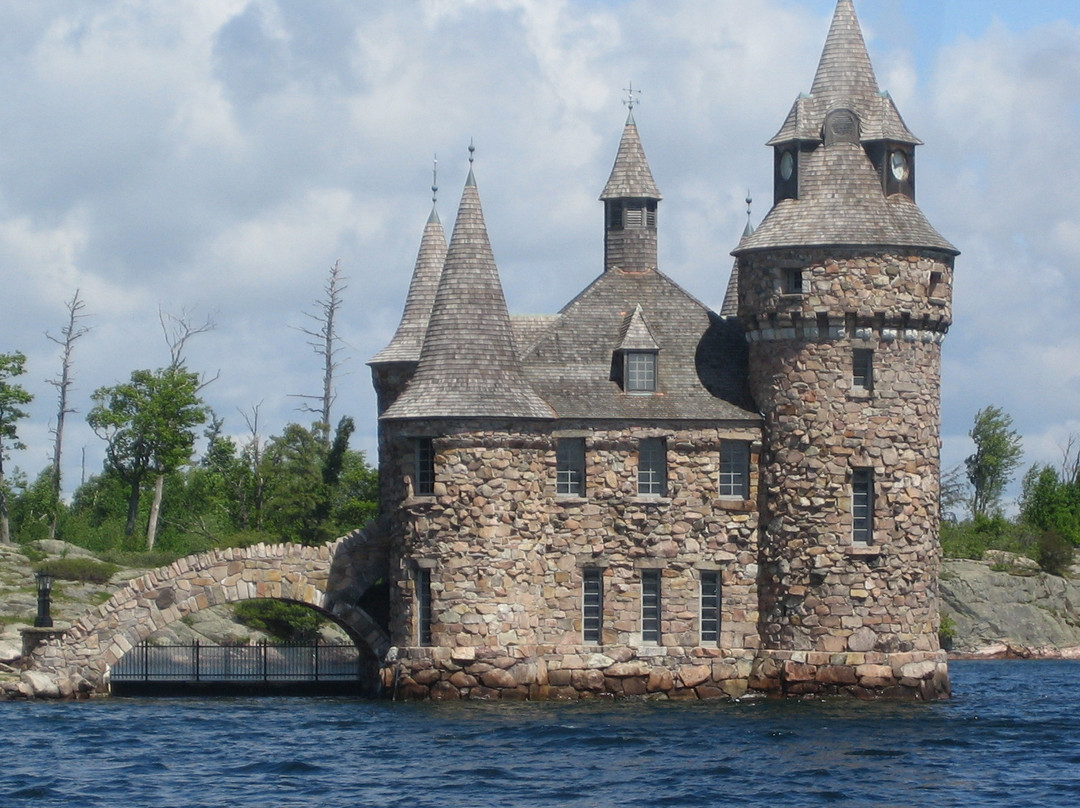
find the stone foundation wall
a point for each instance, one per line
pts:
(584, 673)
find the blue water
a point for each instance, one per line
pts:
(1010, 736)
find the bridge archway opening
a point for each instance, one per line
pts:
(327, 655)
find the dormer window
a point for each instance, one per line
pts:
(640, 371)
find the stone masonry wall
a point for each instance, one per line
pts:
(507, 555)
(821, 590)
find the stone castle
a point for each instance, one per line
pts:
(638, 495)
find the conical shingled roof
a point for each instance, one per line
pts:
(409, 338)
(845, 79)
(631, 177)
(468, 366)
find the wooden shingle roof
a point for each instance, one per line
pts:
(701, 358)
(468, 364)
(407, 341)
(631, 177)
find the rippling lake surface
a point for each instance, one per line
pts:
(1010, 736)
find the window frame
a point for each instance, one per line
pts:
(640, 371)
(734, 482)
(711, 602)
(570, 467)
(792, 281)
(423, 607)
(862, 506)
(862, 369)
(592, 606)
(651, 605)
(652, 467)
(423, 467)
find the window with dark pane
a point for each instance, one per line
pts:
(423, 606)
(652, 467)
(570, 467)
(862, 505)
(592, 605)
(424, 471)
(640, 371)
(862, 362)
(650, 605)
(735, 469)
(710, 606)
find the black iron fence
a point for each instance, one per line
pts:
(264, 662)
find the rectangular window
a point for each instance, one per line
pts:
(793, 284)
(423, 605)
(570, 467)
(862, 506)
(650, 605)
(424, 471)
(652, 467)
(592, 606)
(862, 363)
(735, 469)
(710, 606)
(640, 372)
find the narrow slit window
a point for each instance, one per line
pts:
(424, 471)
(650, 606)
(735, 469)
(570, 467)
(710, 606)
(592, 606)
(652, 467)
(862, 506)
(863, 369)
(423, 606)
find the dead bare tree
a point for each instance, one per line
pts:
(69, 335)
(326, 345)
(177, 329)
(253, 452)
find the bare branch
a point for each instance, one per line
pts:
(325, 344)
(178, 329)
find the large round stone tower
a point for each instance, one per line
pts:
(844, 294)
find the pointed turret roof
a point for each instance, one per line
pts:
(407, 341)
(468, 366)
(840, 199)
(845, 80)
(636, 335)
(631, 177)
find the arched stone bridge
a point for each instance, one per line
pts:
(331, 579)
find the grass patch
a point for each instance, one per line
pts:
(80, 569)
(145, 559)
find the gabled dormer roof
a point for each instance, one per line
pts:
(635, 335)
(630, 177)
(845, 80)
(468, 364)
(409, 338)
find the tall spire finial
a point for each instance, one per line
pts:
(749, 229)
(435, 180)
(472, 150)
(632, 96)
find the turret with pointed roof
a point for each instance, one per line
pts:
(630, 199)
(468, 366)
(393, 366)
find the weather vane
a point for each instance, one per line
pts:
(632, 96)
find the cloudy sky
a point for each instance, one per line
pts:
(218, 156)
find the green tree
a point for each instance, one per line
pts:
(12, 400)
(997, 455)
(148, 424)
(1050, 504)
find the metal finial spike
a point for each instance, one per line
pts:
(632, 96)
(435, 180)
(749, 204)
(472, 150)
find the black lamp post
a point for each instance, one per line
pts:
(44, 600)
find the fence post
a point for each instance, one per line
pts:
(316, 660)
(195, 657)
(265, 661)
(146, 660)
